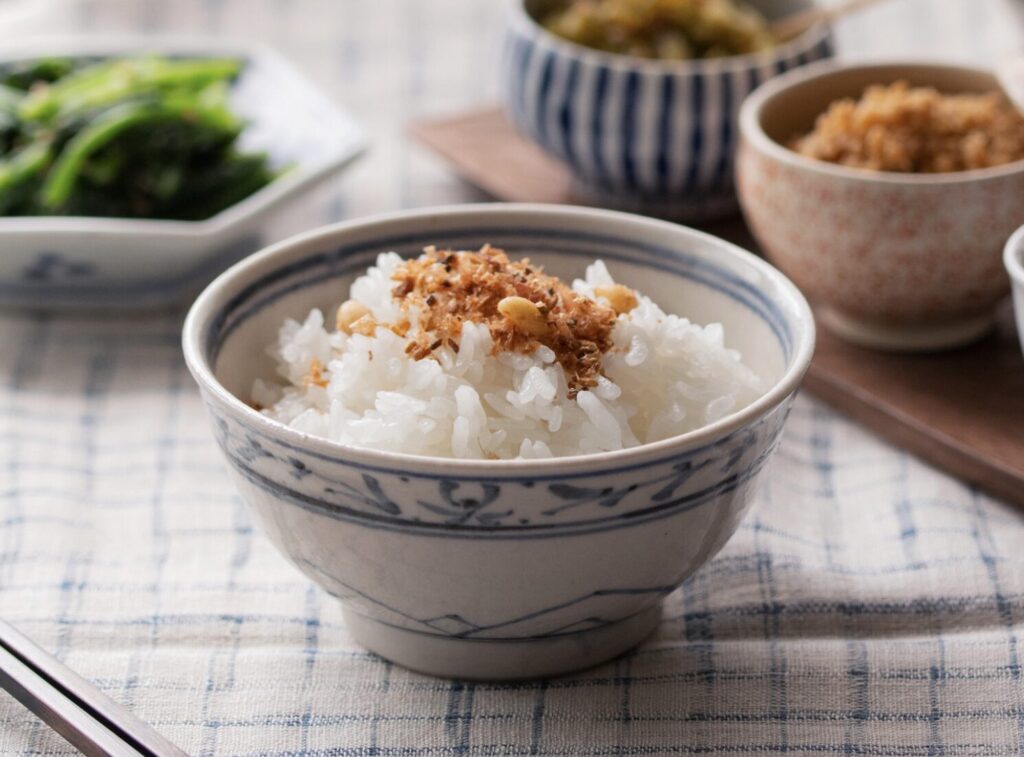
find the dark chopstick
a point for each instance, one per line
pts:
(89, 719)
(66, 718)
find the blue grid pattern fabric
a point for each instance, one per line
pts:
(867, 605)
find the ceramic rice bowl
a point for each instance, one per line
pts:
(890, 260)
(499, 569)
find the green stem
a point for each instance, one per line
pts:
(105, 128)
(30, 160)
(105, 83)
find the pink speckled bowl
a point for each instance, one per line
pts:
(892, 261)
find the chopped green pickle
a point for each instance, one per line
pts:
(662, 29)
(143, 137)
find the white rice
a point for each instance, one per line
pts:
(665, 376)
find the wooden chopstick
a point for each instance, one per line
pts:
(86, 717)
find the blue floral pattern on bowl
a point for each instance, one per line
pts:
(500, 507)
(496, 568)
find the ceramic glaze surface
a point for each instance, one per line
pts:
(1013, 257)
(894, 261)
(900, 252)
(491, 505)
(69, 262)
(487, 569)
(659, 135)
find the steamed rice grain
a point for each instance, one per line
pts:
(664, 376)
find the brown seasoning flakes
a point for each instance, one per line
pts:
(315, 377)
(521, 306)
(916, 130)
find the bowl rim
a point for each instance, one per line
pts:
(225, 286)
(804, 41)
(753, 133)
(256, 204)
(1013, 257)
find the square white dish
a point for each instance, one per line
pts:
(63, 262)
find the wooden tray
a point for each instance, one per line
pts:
(962, 411)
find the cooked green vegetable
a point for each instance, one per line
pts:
(9, 125)
(665, 29)
(133, 137)
(23, 75)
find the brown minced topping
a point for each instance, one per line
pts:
(917, 130)
(522, 307)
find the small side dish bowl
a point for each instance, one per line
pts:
(499, 568)
(638, 134)
(1013, 258)
(890, 260)
(103, 263)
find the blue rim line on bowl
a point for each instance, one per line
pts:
(222, 325)
(198, 351)
(523, 479)
(504, 530)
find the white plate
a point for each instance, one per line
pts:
(80, 262)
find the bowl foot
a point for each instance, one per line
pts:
(938, 335)
(481, 659)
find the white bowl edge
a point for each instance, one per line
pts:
(202, 309)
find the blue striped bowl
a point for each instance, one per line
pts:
(654, 136)
(500, 568)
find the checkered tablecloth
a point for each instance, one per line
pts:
(867, 605)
